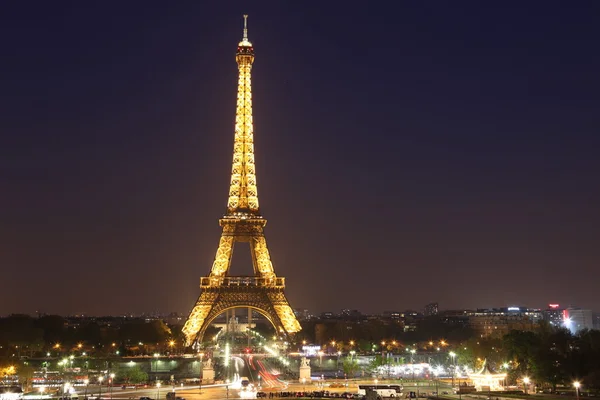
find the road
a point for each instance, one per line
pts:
(262, 373)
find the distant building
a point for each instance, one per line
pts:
(596, 317)
(497, 322)
(302, 314)
(431, 309)
(392, 315)
(577, 319)
(554, 315)
(458, 318)
(351, 314)
(327, 315)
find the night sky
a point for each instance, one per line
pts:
(406, 153)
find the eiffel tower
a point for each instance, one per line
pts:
(264, 291)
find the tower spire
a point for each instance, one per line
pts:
(245, 38)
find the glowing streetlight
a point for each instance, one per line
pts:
(526, 381)
(112, 378)
(157, 390)
(100, 379)
(453, 357)
(42, 390)
(303, 384)
(577, 384)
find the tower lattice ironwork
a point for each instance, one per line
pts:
(264, 291)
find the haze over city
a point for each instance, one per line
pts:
(406, 153)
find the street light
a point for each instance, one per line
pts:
(526, 383)
(157, 390)
(42, 389)
(112, 378)
(201, 373)
(304, 384)
(577, 384)
(412, 362)
(86, 382)
(452, 356)
(100, 379)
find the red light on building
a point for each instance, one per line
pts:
(553, 305)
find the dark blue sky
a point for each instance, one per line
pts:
(406, 152)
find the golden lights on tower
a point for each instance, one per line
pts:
(242, 223)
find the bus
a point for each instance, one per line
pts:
(381, 390)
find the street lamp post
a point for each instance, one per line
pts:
(86, 382)
(452, 356)
(201, 377)
(412, 362)
(157, 390)
(42, 389)
(304, 384)
(112, 378)
(320, 361)
(100, 379)
(526, 383)
(577, 385)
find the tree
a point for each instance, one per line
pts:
(521, 347)
(133, 374)
(550, 360)
(350, 366)
(25, 372)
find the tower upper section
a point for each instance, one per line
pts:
(243, 195)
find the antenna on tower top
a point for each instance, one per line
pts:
(245, 27)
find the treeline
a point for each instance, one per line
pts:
(366, 333)
(549, 357)
(22, 335)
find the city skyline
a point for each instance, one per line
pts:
(409, 153)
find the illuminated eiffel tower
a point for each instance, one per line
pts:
(264, 291)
